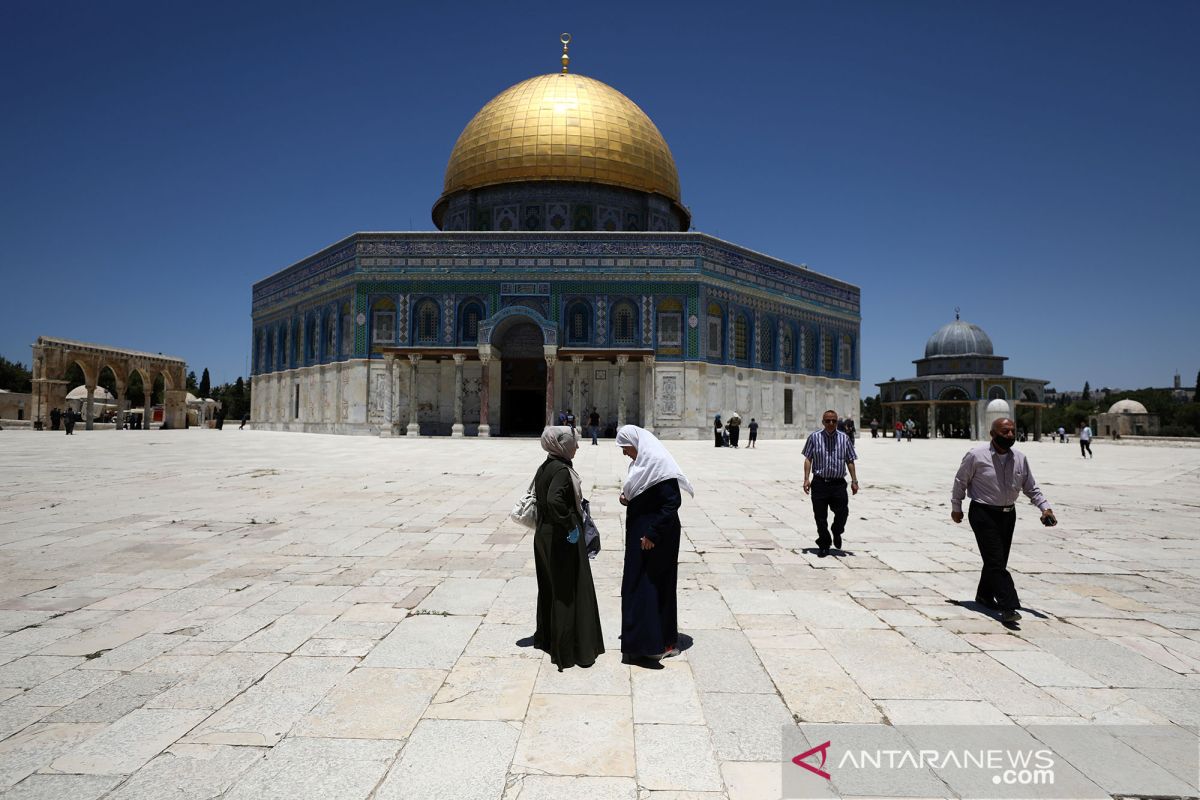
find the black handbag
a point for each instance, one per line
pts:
(591, 534)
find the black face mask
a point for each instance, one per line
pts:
(1003, 442)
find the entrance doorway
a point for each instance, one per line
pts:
(522, 381)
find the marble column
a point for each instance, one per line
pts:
(389, 402)
(485, 389)
(456, 430)
(621, 362)
(88, 411)
(648, 393)
(931, 415)
(146, 413)
(1037, 423)
(122, 405)
(414, 427)
(576, 395)
(551, 360)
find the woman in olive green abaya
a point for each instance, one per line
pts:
(568, 617)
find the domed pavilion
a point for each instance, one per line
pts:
(960, 387)
(564, 274)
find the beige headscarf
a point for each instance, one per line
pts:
(558, 440)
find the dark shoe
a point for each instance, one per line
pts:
(837, 542)
(822, 552)
(987, 603)
(1011, 615)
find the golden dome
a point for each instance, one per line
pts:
(562, 127)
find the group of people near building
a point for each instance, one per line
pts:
(568, 614)
(729, 434)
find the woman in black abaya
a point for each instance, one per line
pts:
(568, 616)
(649, 615)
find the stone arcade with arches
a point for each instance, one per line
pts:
(960, 387)
(563, 276)
(52, 360)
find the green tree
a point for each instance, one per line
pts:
(1087, 391)
(205, 384)
(15, 376)
(1196, 393)
(190, 383)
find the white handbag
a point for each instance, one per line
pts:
(524, 511)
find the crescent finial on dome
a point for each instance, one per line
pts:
(566, 59)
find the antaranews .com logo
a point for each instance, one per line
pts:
(981, 762)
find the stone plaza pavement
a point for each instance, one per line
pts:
(248, 615)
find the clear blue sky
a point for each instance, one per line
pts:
(1037, 164)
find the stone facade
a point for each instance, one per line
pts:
(659, 329)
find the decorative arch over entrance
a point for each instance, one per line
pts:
(526, 344)
(52, 358)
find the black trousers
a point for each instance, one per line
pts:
(829, 493)
(993, 533)
(1085, 447)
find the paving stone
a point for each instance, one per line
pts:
(753, 780)
(486, 688)
(64, 688)
(666, 696)
(942, 712)
(1002, 687)
(1113, 664)
(264, 713)
(133, 654)
(109, 635)
(227, 676)
(61, 787)
(114, 699)
(577, 735)
(1044, 669)
(745, 727)
(472, 760)
(36, 746)
(424, 642)
(13, 718)
(817, 689)
(285, 634)
(553, 787)
(27, 672)
(463, 596)
(128, 743)
(374, 704)
(818, 610)
(677, 757)
(189, 772)
(606, 676)
(724, 661)
(317, 769)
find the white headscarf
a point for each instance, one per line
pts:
(557, 440)
(653, 464)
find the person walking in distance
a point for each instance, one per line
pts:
(874, 429)
(1085, 440)
(993, 475)
(753, 432)
(594, 423)
(828, 453)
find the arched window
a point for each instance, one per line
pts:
(670, 323)
(294, 343)
(268, 365)
(716, 332)
(427, 322)
(826, 352)
(347, 330)
(258, 346)
(310, 338)
(330, 334)
(764, 340)
(624, 322)
(741, 350)
(579, 323)
(846, 356)
(787, 350)
(469, 316)
(383, 322)
(997, 393)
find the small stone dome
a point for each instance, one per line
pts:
(1127, 407)
(101, 395)
(998, 405)
(958, 338)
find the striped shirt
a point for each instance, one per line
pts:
(829, 453)
(996, 479)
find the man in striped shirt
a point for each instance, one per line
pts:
(827, 455)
